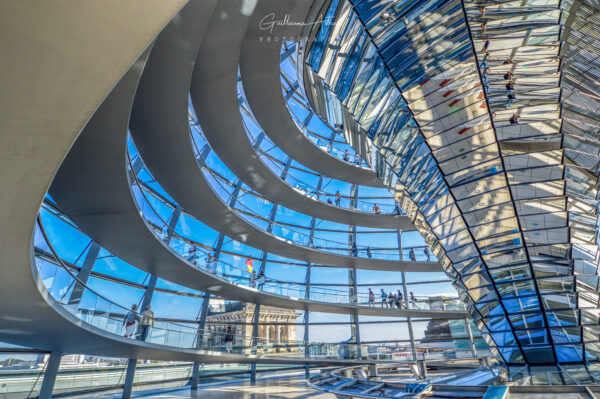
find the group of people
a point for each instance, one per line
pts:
(338, 202)
(376, 209)
(338, 199)
(510, 86)
(355, 160)
(210, 261)
(392, 300)
(411, 253)
(137, 326)
(413, 256)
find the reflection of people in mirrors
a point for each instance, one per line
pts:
(511, 98)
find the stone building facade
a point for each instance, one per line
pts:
(272, 330)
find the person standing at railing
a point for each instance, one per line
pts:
(369, 254)
(338, 199)
(412, 255)
(192, 255)
(146, 323)
(346, 156)
(261, 278)
(426, 252)
(376, 209)
(399, 299)
(383, 299)
(391, 300)
(130, 321)
(413, 301)
(371, 298)
(211, 263)
(354, 249)
(397, 210)
(229, 340)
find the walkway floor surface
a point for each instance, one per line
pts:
(291, 387)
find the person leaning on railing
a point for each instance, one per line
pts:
(146, 323)
(261, 278)
(229, 340)
(384, 298)
(130, 321)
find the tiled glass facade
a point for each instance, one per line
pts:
(483, 119)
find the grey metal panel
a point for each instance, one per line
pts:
(259, 67)
(51, 87)
(215, 99)
(160, 107)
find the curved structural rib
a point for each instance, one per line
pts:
(260, 70)
(171, 159)
(99, 201)
(215, 99)
(33, 144)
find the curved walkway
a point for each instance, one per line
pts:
(215, 99)
(260, 71)
(29, 315)
(99, 201)
(168, 338)
(33, 144)
(175, 166)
